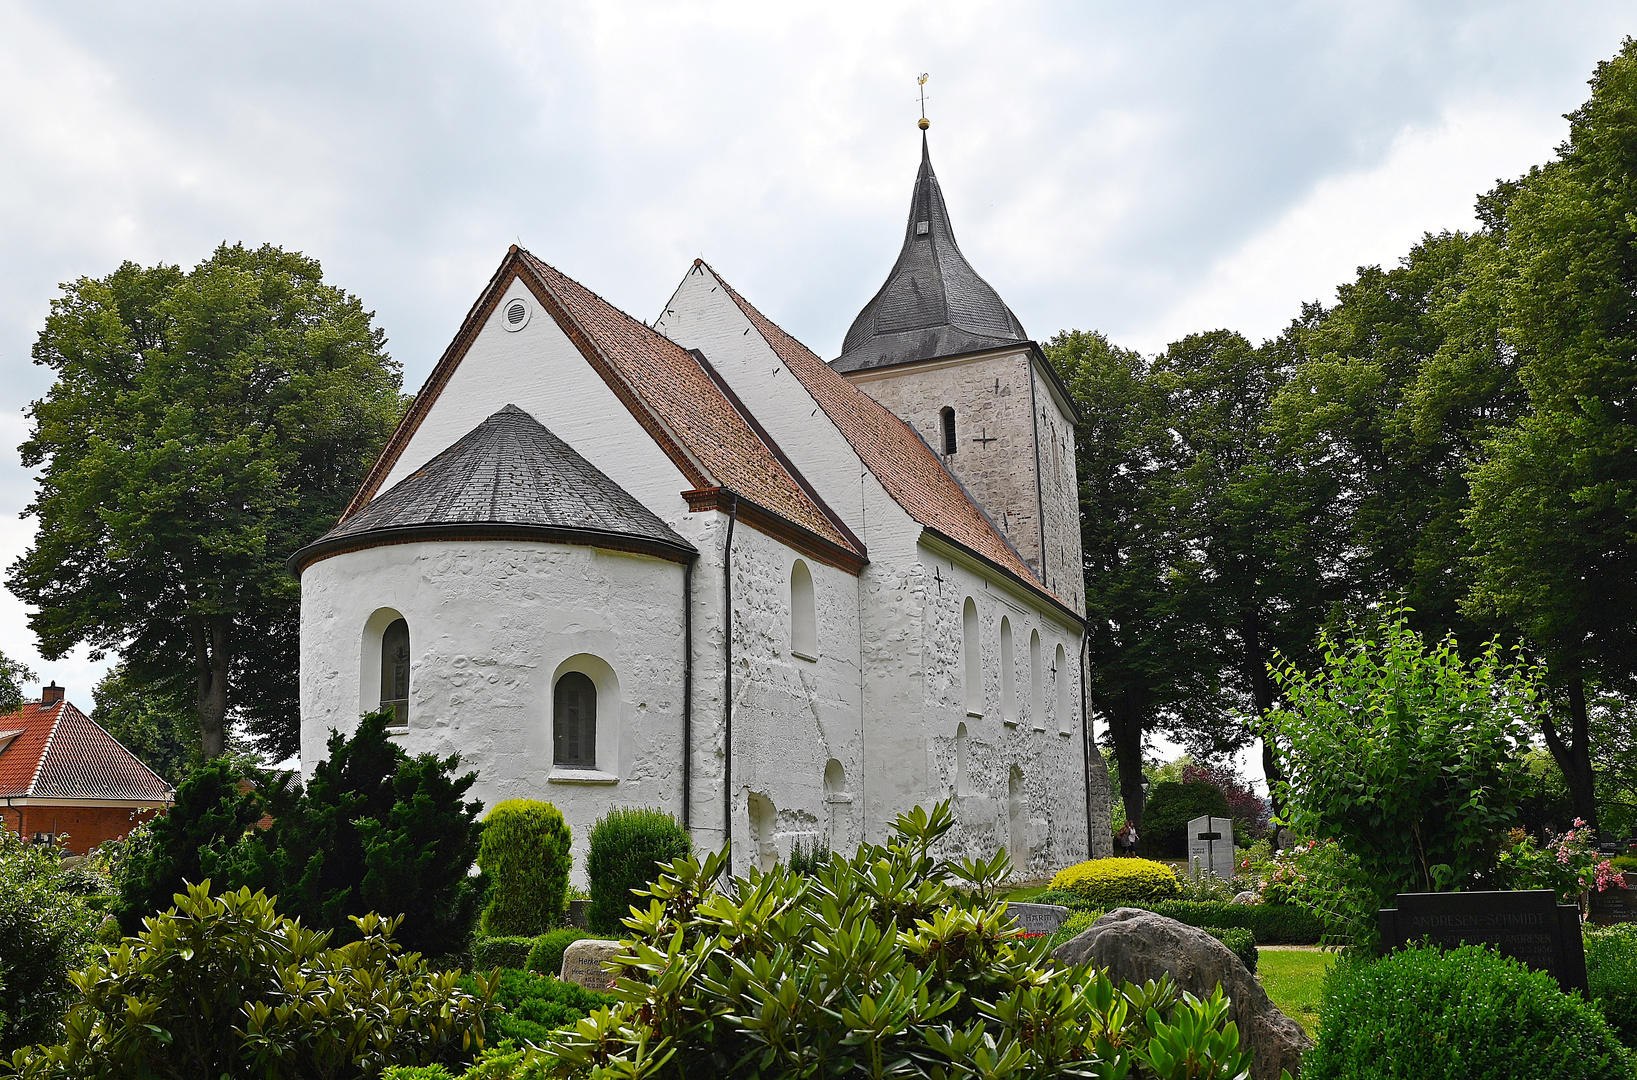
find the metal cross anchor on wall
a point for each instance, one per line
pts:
(937, 576)
(984, 437)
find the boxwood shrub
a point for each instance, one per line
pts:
(626, 850)
(525, 853)
(1611, 972)
(532, 1006)
(546, 956)
(489, 952)
(1107, 882)
(1468, 1012)
(1240, 942)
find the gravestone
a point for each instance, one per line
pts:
(1210, 847)
(1615, 905)
(1527, 924)
(583, 963)
(1038, 918)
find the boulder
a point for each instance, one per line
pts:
(583, 963)
(1136, 946)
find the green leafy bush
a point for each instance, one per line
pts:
(1625, 863)
(375, 830)
(1171, 804)
(1240, 942)
(1421, 1012)
(225, 986)
(808, 858)
(45, 932)
(531, 1006)
(626, 850)
(504, 1062)
(546, 956)
(1107, 882)
(1611, 973)
(890, 963)
(525, 853)
(489, 952)
(1270, 924)
(1062, 898)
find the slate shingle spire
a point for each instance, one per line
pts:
(933, 303)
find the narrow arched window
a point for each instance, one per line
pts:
(803, 614)
(973, 661)
(1008, 660)
(395, 671)
(948, 419)
(1065, 684)
(963, 785)
(575, 721)
(1037, 695)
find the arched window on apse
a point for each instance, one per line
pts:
(947, 420)
(1037, 694)
(963, 783)
(395, 671)
(803, 613)
(1008, 677)
(574, 721)
(972, 660)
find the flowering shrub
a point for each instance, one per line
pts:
(1570, 864)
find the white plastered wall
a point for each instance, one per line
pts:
(540, 370)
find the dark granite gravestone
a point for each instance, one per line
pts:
(1614, 905)
(1038, 918)
(1528, 924)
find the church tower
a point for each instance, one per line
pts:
(938, 347)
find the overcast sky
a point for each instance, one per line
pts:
(1147, 170)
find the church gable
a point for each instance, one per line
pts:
(644, 410)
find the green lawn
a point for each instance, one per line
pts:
(1293, 979)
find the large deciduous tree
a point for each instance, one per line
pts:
(1554, 503)
(1151, 665)
(203, 425)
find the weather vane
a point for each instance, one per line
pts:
(921, 82)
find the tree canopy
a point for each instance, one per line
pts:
(204, 424)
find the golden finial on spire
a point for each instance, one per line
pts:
(924, 123)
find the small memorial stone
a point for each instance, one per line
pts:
(1527, 924)
(1615, 905)
(1210, 847)
(1038, 918)
(583, 963)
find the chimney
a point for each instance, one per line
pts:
(50, 695)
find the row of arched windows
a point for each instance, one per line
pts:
(574, 698)
(972, 674)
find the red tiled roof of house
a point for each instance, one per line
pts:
(667, 389)
(890, 448)
(61, 753)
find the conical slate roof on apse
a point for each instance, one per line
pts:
(934, 303)
(507, 477)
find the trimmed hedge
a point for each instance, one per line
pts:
(525, 853)
(627, 848)
(489, 952)
(533, 1006)
(1107, 882)
(546, 957)
(1240, 942)
(1468, 1012)
(1611, 972)
(1271, 924)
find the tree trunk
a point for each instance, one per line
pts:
(1125, 726)
(1575, 759)
(1261, 689)
(210, 667)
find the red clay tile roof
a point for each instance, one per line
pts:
(62, 754)
(890, 448)
(667, 390)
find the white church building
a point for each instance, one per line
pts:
(692, 566)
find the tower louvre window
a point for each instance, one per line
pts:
(948, 417)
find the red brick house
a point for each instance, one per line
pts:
(61, 774)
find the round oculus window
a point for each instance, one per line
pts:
(515, 315)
